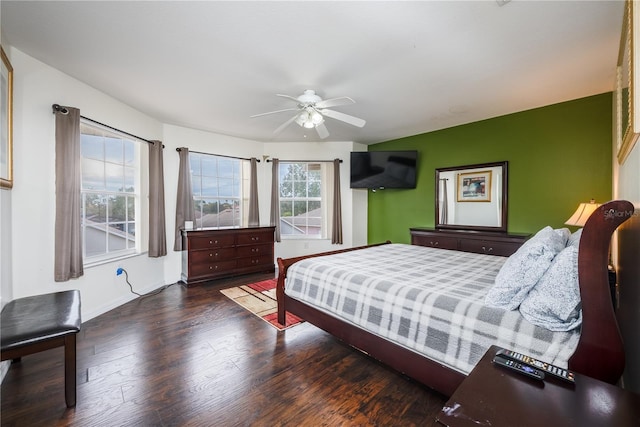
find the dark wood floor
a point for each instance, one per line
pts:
(191, 357)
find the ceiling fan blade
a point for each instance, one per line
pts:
(287, 96)
(284, 125)
(335, 102)
(322, 131)
(273, 112)
(355, 121)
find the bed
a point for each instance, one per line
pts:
(423, 311)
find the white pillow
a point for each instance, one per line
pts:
(554, 302)
(524, 268)
(574, 239)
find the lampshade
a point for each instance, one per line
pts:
(584, 211)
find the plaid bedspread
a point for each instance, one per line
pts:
(428, 300)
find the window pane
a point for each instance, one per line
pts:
(114, 175)
(299, 207)
(95, 242)
(286, 208)
(209, 166)
(92, 174)
(313, 206)
(117, 237)
(209, 187)
(92, 147)
(194, 164)
(300, 189)
(226, 168)
(129, 153)
(95, 208)
(117, 208)
(113, 151)
(196, 186)
(129, 180)
(131, 208)
(225, 187)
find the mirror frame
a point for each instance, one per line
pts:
(505, 172)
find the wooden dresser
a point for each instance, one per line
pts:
(214, 254)
(482, 242)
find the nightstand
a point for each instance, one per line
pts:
(494, 396)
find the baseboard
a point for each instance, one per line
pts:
(118, 302)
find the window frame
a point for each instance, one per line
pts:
(240, 180)
(140, 202)
(323, 199)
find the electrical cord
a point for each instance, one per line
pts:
(119, 271)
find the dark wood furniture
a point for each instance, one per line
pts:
(42, 322)
(481, 242)
(498, 397)
(599, 354)
(214, 254)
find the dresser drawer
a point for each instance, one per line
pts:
(251, 238)
(212, 268)
(489, 247)
(245, 251)
(433, 241)
(255, 261)
(213, 241)
(212, 255)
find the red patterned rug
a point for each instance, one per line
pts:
(260, 299)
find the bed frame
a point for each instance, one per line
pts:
(599, 354)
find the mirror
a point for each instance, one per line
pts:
(472, 197)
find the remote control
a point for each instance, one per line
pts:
(522, 368)
(563, 374)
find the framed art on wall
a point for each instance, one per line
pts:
(626, 135)
(474, 186)
(6, 124)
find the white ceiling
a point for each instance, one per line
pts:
(411, 67)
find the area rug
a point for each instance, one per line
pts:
(260, 299)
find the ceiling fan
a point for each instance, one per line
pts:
(311, 111)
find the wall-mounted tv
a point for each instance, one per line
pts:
(383, 169)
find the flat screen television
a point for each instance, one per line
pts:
(383, 169)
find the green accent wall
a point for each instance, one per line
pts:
(559, 155)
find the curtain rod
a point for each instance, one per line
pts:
(219, 155)
(306, 161)
(63, 110)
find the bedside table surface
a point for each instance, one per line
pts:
(494, 396)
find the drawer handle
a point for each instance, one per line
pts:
(211, 254)
(434, 243)
(484, 249)
(213, 267)
(255, 239)
(255, 249)
(211, 242)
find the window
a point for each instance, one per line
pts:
(303, 201)
(219, 185)
(111, 188)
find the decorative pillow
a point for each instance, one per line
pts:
(554, 302)
(574, 239)
(563, 232)
(524, 268)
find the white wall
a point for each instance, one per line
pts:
(36, 87)
(27, 212)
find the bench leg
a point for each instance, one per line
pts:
(70, 370)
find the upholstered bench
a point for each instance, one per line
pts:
(33, 324)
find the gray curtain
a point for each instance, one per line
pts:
(336, 234)
(184, 204)
(68, 233)
(254, 212)
(275, 198)
(157, 226)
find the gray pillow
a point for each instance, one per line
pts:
(524, 268)
(554, 302)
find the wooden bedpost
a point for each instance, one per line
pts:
(600, 352)
(280, 292)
